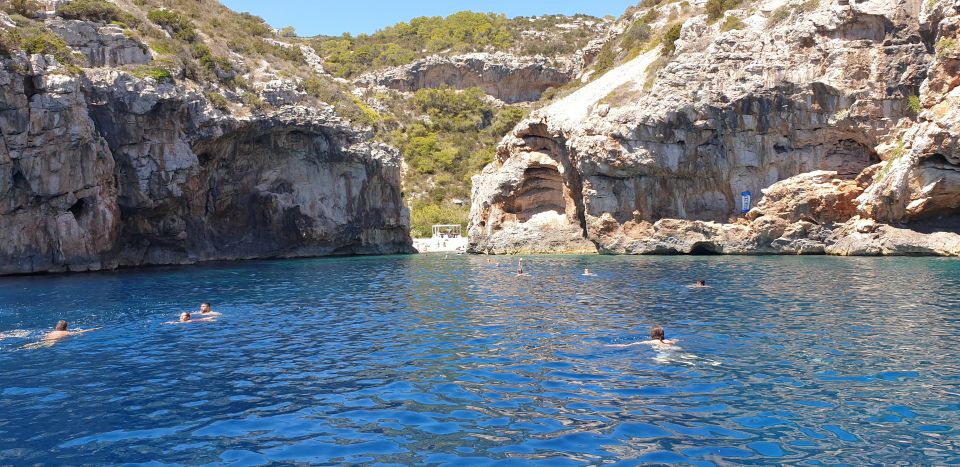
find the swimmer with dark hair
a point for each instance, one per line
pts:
(658, 338)
(205, 310)
(60, 331)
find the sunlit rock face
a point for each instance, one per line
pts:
(819, 103)
(107, 170)
(507, 77)
(101, 44)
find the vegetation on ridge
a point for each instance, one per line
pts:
(446, 136)
(33, 37)
(348, 56)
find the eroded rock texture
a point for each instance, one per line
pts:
(506, 77)
(108, 170)
(818, 103)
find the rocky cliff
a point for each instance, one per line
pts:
(839, 117)
(101, 169)
(507, 77)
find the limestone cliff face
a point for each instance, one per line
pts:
(812, 102)
(106, 170)
(506, 77)
(920, 182)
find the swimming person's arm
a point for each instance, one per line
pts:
(626, 345)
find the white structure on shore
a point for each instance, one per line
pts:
(446, 237)
(446, 230)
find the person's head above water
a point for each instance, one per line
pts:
(205, 307)
(61, 325)
(184, 317)
(656, 333)
(701, 282)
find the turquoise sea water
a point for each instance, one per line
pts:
(431, 360)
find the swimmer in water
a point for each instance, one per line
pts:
(520, 267)
(657, 339)
(586, 272)
(205, 310)
(701, 284)
(60, 331)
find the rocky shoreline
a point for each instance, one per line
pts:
(842, 119)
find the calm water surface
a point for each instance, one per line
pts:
(432, 360)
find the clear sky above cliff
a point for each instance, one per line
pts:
(312, 17)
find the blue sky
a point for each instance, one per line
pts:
(312, 17)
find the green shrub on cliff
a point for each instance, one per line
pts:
(9, 44)
(450, 110)
(669, 39)
(913, 103)
(506, 119)
(94, 10)
(716, 8)
(368, 116)
(35, 38)
(604, 61)
(424, 152)
(945, 47)
(210, 62)
(218, 101)
(253, 101)
(253, 25)
(783, 12)
(25, 8)
(158, 73)
(637, 34)
(895, 154)
(731, 23)
(179, 26)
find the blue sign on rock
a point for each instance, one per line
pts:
(744, 202)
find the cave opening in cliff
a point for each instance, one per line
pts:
(541, 191)
(29, 89)
(704, 249)
(78, 208)
(18, 181)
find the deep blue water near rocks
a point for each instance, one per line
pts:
(430, 359)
